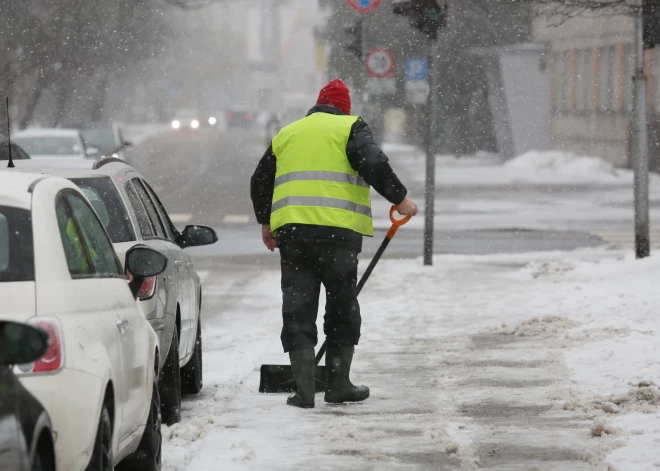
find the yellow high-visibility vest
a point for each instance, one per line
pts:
(314, 182)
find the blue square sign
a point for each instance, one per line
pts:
(417, 69)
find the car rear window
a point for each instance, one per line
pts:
(16, 246)
(107, 203)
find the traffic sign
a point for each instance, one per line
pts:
(380, 63)
(417, 69)
(417, 92)
(381, 86)
(363, 6)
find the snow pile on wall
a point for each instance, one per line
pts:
(563, 163)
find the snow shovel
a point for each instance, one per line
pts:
(279, 378)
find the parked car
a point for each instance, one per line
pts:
(133, 214)
(17, 152)
(26, 434)
(59, 271)
(106, 137)
(187, 120)
(239, 118)
(54, 144)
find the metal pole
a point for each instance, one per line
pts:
(640, 146)
(429, 194)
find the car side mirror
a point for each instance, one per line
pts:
(143, 262)
(91, 152)
(21, 343)
(196, 236)
(127, 144)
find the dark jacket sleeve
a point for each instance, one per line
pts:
(262, 186)
(369, 161)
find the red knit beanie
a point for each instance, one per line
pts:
(336, 94)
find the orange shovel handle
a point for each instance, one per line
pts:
(396, 223)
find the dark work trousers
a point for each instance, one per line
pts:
(305, 265)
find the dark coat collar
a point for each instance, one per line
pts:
(326, 109)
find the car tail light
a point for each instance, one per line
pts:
(230, 115)
(53, 359)
(148, 287)
(248, 117)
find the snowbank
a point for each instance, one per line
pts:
(469, 362)
(531, 168)
(563, 163)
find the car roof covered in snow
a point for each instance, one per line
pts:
(16, 186)
(47, 132)
(109, 167)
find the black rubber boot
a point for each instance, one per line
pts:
(338, 366)
(303, 365)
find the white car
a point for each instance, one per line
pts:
(132, 214)
(187, 120)
(52, 144)
(59, 271)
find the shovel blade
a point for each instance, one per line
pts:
(279, 379)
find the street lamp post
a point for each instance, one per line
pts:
(640, 145)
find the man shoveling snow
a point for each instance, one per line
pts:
(311, 194)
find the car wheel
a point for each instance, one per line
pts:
(37, 464)
(148, 456)
(191, 374)
(102, 457)
(169, 384)
(43, 459)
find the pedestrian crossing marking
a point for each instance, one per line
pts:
(180, 218)
(203, 275)
(236, 219)
(624, 237)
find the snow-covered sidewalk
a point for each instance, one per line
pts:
(531, 361)
(554, 191)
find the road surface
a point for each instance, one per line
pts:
(446, 394)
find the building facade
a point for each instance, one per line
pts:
(591, 62)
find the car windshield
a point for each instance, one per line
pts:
(103, 139)
(107, 203)
(16, 246)
(4, 152)
(186, 114)
(50, 145)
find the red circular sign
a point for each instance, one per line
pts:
(363, 6)
(380, 63)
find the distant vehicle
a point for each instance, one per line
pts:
(107, 138)
(213, 119)
(239, 118)
(98, 379)
(26, 434)
(54, 144)
(187, 119)
(17, 152)
(133, 215)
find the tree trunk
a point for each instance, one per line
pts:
(32, 102)
(98, 101)
(62, 100)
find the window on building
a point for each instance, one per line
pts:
(606, 77)
(628, 72)
(655, 79)
(559, 82)
(583, 80)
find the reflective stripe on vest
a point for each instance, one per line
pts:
(314, 182)
(328, 176)
(320, 201)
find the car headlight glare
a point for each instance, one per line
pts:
(212, 120)
(194, 124)
(176, 124)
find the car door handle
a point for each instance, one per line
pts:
(122, 323)
(178, 263)
(189, 264)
